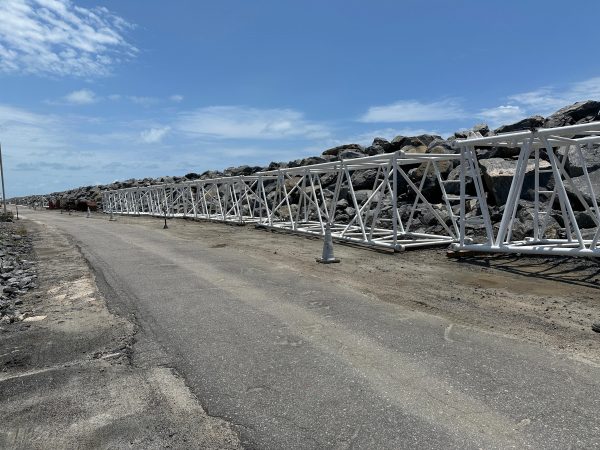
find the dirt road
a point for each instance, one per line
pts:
(379, 351)
(67, 375)
(548, 301)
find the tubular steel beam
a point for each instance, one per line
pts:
(296, 200)
(534, 146)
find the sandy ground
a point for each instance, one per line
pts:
(69, 378)
(550, 301)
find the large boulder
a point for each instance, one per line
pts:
(428, 138)
(582, 185)
(241, 170)
(580, 112)
(335, 151)
(420, 148)
(351, 154)
(525, 124)
(574, 164)
(498, 175)
(363, 179)
(402, 141)
(379, 146)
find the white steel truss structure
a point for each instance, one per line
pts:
(300, 200)
(553, 145)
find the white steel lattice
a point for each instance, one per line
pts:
(546, 144)
(299, 200)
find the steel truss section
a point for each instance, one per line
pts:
(546, 144)
(300, 200)
(301, 204)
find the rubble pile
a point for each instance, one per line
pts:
(18, 273)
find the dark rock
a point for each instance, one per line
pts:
(363, 195)
(363, 179)
(328, 179)
(341, 204)
(440, 143)
(452, 185)
(582, 186)
(574, 165)
(427, 139)
(335, 151)
(351, 154)
(240, 171)
(580, 112)
(525, 124)
(379, 146)
(585, 219)
(398, 142)
(312, 160)
(276, 165)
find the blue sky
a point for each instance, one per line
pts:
(95, 91)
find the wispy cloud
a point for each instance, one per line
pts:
(56, 37)
(176, 98)
(542, 101)
(415, 111)
(154, 135)
(547, 99)
(503, 114)
(81, 97)
(143, 101)
(237, 122)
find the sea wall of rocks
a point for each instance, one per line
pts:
(18, 273)
(497, 165)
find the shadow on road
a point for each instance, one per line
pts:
(576, 271)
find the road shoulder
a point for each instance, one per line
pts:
(73, 378)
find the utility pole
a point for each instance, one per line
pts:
(2, 176)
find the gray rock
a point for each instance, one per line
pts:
(574, 165)
(498, 175)
(363, 179)
(362, 195)
(351, 154)
(481, 128)
(341, 204)
(580, 112)
(421, 148)
(379, 146)
(428, 138)
(525, 124)
(581, 185)
(335, 151)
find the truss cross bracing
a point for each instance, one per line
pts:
(304, 199)
(561, 199)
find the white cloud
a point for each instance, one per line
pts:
(81, 97)
(143, 101)
(237, 122)
(542, 101)
(154, 135)
(414, 111)
(56, 37)
(548, 99)
(502, 114)
(176, 98)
